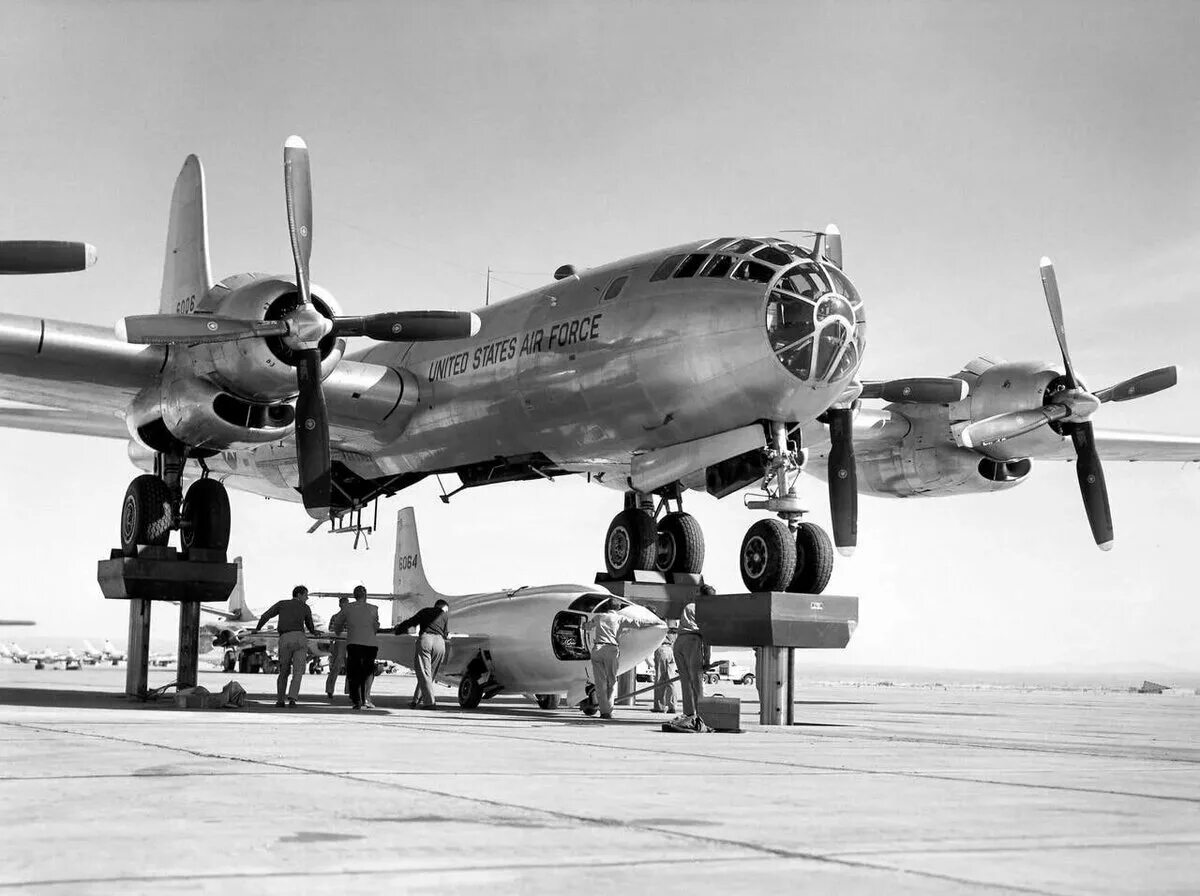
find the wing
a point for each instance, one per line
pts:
(1137, 446)
(72, 367)
(460, 650)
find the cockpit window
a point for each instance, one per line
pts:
(718, 267)
(742, 247)
(771, 255)
(805, 280)
(843, 286)
(587, 603)
(690, 265)
(664, 270)
(713, 245)
(614, 288)
(754, 272)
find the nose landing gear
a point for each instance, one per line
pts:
(784, 554)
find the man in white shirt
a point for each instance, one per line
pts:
(604, 631)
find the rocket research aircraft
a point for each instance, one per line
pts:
(712, 366)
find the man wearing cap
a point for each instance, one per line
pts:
(294, 618)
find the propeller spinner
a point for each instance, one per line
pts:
(1071, 408)
(302, 329)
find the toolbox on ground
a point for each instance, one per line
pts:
(721, 713)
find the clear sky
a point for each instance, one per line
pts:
(954, 144)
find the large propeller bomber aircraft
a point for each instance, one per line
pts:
(711, 366)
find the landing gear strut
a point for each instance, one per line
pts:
(784, 554)
(154, 506)
(635, 541)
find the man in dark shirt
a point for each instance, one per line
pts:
(294, 617)
(430, 650)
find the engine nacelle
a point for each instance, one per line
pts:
(259, 371)
(998, 387)
(919, 467)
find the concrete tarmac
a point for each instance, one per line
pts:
(875, 790)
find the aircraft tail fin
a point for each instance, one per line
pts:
(237, 599)
(410, 585)
(187, 276)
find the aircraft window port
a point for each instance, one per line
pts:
(588, 602)
(771, 255)
(798, 359)
(742, 247)
(566, 636)
(664, 270)
(829, 343)
(691, 265)
(719, 266)
(753, 272)
(842, 285)
(614, 288)
(794, 249)
(805, 280)
(789, 320)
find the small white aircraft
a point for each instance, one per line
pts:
(106, 654)
(526, 640)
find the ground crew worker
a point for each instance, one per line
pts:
(337, 650)
(361, 623)
(294, 617)
(689, 660)
(664, 671)
(430, 649)
(604, 630)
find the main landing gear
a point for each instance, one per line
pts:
(155, 505)
(779, 554)
(643, 537)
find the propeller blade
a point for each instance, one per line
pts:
(297, 185)
(169, 329)
(1009, 425)
(410, 326)
(833, 244)
(918, 390)
(843, 480)
(1139, 386)
(1050, 288)
(44, 256)
(1091, 483)
(312, 435)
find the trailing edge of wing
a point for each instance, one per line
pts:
(80, 423)
(1138, 446)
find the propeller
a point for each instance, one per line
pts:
(918, 390)
(302, 329)
(44, 256)
(843, 480)
(1071, 408)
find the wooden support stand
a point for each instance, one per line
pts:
(137, 655)
(164, 574)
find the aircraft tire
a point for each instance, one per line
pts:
(470, 692)
(680, 544)
(631, 543)
(814, 560)
(768, 556)
(206, 516)
(145, 514)
(547, 701)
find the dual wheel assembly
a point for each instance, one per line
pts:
(774, 556)
(148, 515)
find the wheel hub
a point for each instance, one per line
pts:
(618, 547)
(754, 557)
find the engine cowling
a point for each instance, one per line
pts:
(999, 387)
(221, 395)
